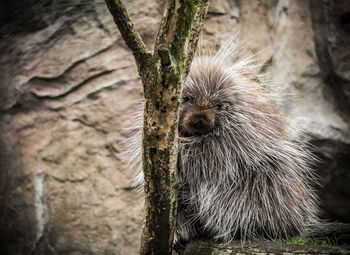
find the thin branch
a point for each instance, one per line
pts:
(176, 26)
(131, 37)
(194, 37)
(169, 16)
(187, 10)
(180, 27)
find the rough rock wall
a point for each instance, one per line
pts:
(67, 83)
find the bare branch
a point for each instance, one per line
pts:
(130, 35)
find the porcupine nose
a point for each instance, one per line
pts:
(200, 122)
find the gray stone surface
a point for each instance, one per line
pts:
(68, 82)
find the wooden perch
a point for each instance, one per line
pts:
(162, 73)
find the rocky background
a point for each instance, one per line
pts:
(68, 83)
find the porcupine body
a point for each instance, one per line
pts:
(241, 174)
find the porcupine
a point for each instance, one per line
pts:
(241, 173)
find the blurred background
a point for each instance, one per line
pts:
(68, 82)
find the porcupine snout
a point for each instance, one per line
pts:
(199, 122)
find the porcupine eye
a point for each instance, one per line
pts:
(222, 105)
(219, 106)
(185, 99)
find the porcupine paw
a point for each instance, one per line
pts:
(179, 244)
(184, 232)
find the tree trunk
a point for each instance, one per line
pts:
(162, 74)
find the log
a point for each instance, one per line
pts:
(334, 239)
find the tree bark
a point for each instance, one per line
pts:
(162, 73)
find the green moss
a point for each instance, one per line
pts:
(298, 240)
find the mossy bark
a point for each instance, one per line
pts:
(162, 73)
